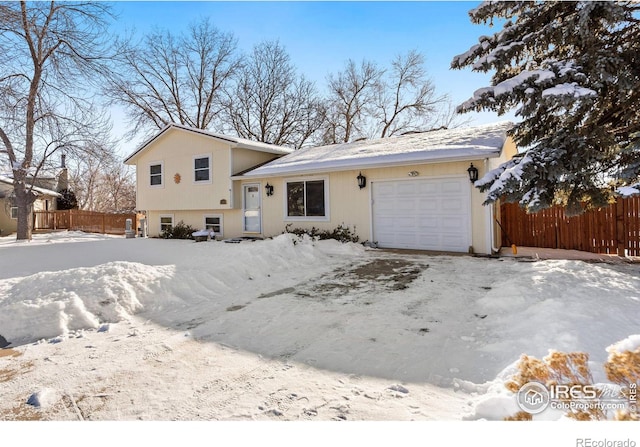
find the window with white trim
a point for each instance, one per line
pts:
(14, 212)
(156, 174)
(202, 169)
(166, 223)
(213, 222)
(307, 199)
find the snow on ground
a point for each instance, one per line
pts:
(109, 328)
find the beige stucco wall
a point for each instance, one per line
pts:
(7, 224)
(231, 220)
(187, 200)
(176, 150)
(350, 205)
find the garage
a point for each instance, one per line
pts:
(424, 214)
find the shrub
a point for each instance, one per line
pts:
(67, 201)
(178, 231)
(560, 368)
(342, 233)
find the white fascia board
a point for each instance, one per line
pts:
(363, 163)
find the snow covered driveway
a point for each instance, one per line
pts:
(120, 329)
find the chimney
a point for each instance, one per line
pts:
(63, 177)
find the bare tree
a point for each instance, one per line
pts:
(102, 183)
(406, 100)
(174, 79)
(270, 102)
(366, 100)
(116, 189)
(49, 53)
(351, 94)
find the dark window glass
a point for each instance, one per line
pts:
(315, 198)
(201, 166)
(155, 174)
(295, 199)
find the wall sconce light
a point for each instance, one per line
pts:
(473, 173)
(362, 180)
(413, 173)
(269, 189)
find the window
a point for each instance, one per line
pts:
(306, 199)
(213, 223)
(14, 212)
(166, 223)
(155, 174)
(202, 169)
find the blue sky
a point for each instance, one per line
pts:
(321, 36)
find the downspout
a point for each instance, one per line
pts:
(492, 220)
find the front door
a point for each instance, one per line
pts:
(251, 209)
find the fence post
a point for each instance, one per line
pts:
(620, 227)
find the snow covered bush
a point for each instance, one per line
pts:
(623, 368)
(342, 233)
(571, 370)
(178, 231)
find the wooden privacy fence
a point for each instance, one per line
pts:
(613, 230)
(88, 221)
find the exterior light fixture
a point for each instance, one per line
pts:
(362, 180)
(269, 189)
(473, 173)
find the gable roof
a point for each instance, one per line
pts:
(41, 191)
(471, 143)
(235, 142)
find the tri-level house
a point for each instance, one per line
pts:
(412, 191)
(185, 174)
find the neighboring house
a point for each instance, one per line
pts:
(45, 201)
(416, 192)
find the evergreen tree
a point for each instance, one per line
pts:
(572, 72)
(67, 201)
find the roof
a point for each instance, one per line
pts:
(471, 143)
(42, 191)
(241, 143)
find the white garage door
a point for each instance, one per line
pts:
(426, 214)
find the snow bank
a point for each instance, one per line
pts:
(628, 191)
(49, 304)
(631, 344)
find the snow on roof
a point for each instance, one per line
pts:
(628, 191)
(241, 143)
(470, 143)
(43, 191)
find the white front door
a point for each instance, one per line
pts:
(428, 214)
(251, 212)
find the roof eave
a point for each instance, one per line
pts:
(371, 164)
(131, 159)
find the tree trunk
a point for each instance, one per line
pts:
(24, 202)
